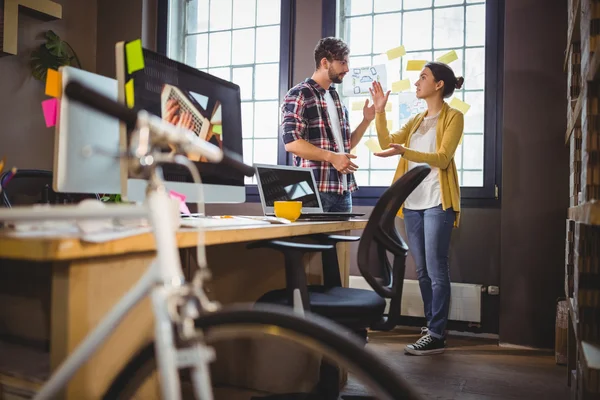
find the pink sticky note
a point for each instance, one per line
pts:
(181, 197)
(50, 108)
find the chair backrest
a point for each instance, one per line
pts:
(381, 237)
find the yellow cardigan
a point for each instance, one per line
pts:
(449, 131)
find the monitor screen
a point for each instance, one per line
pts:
(287, 183)
(205, 104)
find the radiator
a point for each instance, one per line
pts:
(465, 299)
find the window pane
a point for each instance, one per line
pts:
(362, 155)
(457, 65)
(472, 178)
(220, 49)
(476, 25)
(266, 82)
(243, 77)
(248, 151)
(449, 27)
(473, 151)
(356, 7)
(458, 156)
(360, 35)
(223, 72)
(411, 4)
(265, 151)
(197, 16)
(267, 44)
(266, 120)
(243, 47)
(362, 178)
(416, 30)
(387, 30)
(381, 178)
(269, 12)
(361, 61)
(447, 2)
(474, 117)
(475, 67)
(244, 13)
(220, 15)
(387, 5)
(247, 119)
(196, 51)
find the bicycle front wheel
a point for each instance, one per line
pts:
(312, 332)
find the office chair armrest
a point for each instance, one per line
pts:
(290, 246)
(333, 239)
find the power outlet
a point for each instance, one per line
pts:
(493, 290)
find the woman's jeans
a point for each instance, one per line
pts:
(428, 233)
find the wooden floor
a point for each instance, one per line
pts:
(470, 369)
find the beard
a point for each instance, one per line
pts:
(334, 76)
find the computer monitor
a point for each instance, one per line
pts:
(86, 142)
(205, 104)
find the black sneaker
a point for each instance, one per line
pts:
(426, 345)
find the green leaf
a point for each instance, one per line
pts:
(52, 55)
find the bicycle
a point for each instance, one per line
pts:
(186, 320)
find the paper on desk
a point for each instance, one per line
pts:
(415, 65)
(396, 52)
(373, 145)
(108, 235)
(50, 109)
(135, 56)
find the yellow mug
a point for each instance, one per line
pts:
(290, 210)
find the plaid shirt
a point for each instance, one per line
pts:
(304, 116)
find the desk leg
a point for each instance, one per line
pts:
(83, 291)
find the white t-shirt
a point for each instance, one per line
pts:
(427, 194)
(336, 128)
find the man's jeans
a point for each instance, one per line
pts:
(428, 233)
(333, 202)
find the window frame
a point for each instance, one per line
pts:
(286, 54)
(489, 194)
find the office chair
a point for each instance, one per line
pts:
(34, 186)
(356, 309)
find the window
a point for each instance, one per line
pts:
(427, 29)
(239, 41)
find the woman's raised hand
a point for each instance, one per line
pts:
(379, 98)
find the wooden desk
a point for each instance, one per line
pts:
(85, 280)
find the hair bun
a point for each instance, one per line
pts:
(459, 82)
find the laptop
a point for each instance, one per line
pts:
(286, 183)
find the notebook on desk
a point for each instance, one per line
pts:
(286, 183)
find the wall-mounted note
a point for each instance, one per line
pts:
(358, 80)
(400, 86)
(459, 105)
(129, 94)
(396, 52)
(358, 105)
(373, 145)
(415, 65)
(135, 56)
(50, 109)
(183, 208)
(388, 107)
(390, 125)
(217, 129)
(448, 57)
(53, 83)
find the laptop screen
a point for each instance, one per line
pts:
(287, 183)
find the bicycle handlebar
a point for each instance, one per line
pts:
(175, 135)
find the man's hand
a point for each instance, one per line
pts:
(368, 112)
(341, 162)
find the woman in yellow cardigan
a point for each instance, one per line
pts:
(433, 208)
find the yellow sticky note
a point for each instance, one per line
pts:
(373, 145)
(448, 57)
(415, 65)
(388, 107)
(217, 129)
(358, 105)
(400, 86)
(129, 94)
(135, 56)
(390, 125)
(53, 83)
(459, 105)
(396, 52)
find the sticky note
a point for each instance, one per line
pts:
(358, 105)
(396, 52)
(373, 145)
(50, 108)
(415, 65)
(53, 83)
(183, 208)
(2, 162)
(135, 56)
(388, 107)
(400, 86)
(129, 94)
(459, 105)
(448, 57)
(217, 129)
(390, 125)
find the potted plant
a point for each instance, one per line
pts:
(52, 54)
